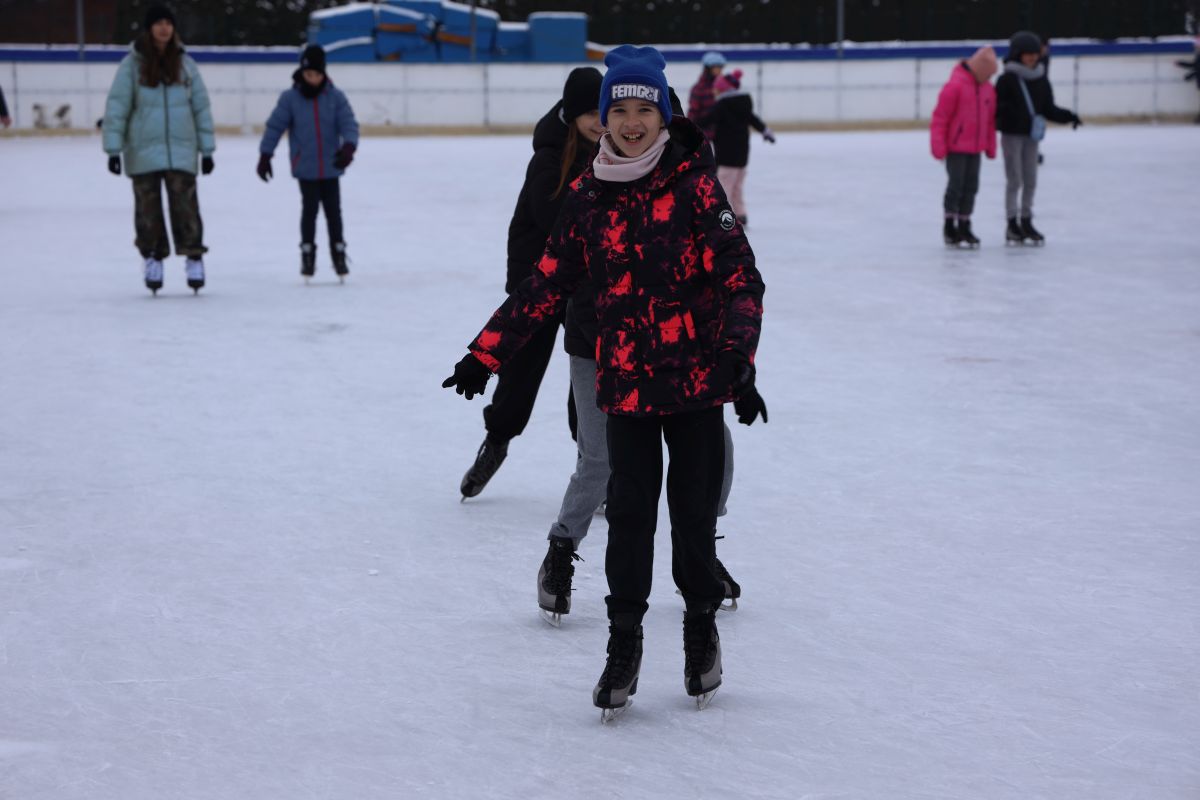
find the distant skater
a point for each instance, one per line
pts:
(964, 127)
(322, 139)
(158, 118)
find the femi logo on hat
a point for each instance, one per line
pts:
(637, 91)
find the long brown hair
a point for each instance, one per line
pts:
(566, 169)
(164, 67)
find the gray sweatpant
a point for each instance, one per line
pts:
(962, 171)
(589, 483)
(1020, 173)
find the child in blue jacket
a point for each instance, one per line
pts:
(322, 138)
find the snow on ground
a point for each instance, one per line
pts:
(233, 561)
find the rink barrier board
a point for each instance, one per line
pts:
(1135, 80)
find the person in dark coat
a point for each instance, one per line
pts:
(702, 96)
(732, 117)
(5, 120)
(563, 141)
(1024, 101)
(322, 140)
(588, 484)
(678, 308)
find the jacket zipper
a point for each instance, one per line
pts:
(320, 155)
(167, 126)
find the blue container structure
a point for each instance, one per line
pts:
(427, 31)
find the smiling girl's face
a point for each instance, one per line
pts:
(634, 125)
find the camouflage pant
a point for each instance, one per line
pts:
(186, 226)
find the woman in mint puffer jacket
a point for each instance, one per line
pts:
(158, 116)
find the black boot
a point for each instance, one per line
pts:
(554, 579)
(1031, 233)
(964, 233)
(1013, 233)
(489, 458)
(701, 655)
(732, 590)
(308, 259)
(950, 231)
(338, 252)
(619, 680)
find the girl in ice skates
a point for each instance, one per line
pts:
(678, 304)
(322, 137)
(702, 97)
(1024, 101)
(563, 141)
(962, 128)
(588, 484)
(732, 118)
(158, 117)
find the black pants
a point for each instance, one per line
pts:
(517, 385)
(696, 449)
(963, 185)
(316, 194)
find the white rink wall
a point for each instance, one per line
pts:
(499, 95)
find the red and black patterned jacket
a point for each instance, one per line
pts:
(672, 275)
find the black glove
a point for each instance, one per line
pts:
(206, 165)
(1075, 121)
(749, 406)
(736, 371)
(114, 165)
(470, 377)
(264, 167)
(344, 156)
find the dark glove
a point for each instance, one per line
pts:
(1075, 121)
(264, 167)
(206, 165)
(749, 406)
(114, 165)
(470, 377)
(769, 135)
(736, 371)
(344, 156)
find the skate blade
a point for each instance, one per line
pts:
(552, 617)
(702, 700)
(607, 715)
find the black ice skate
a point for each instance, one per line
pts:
(618, 683)
(338, 253)
(701, 656)
(950, 232)
(554, 579)
(965, 234)
(195, 274)
(1032, 233)
(732, 590)
(1013, 235)
(153, 275)
(308, 260)
(489, 458)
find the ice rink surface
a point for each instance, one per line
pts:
(233, 561)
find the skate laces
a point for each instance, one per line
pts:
(561, 568)
(195, 268)
(488, 459)
(697, 641)
(622, 657)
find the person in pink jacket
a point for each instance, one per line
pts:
(963, 127)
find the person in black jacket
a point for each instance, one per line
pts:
(1024, 100)
(5, 120)
(732, 117)
(563, 141)
(588, 484)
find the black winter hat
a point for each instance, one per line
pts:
(156, 13)
(1023, 42)
(313, 57)
(581, 92)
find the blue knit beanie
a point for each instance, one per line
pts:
(635, 72)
